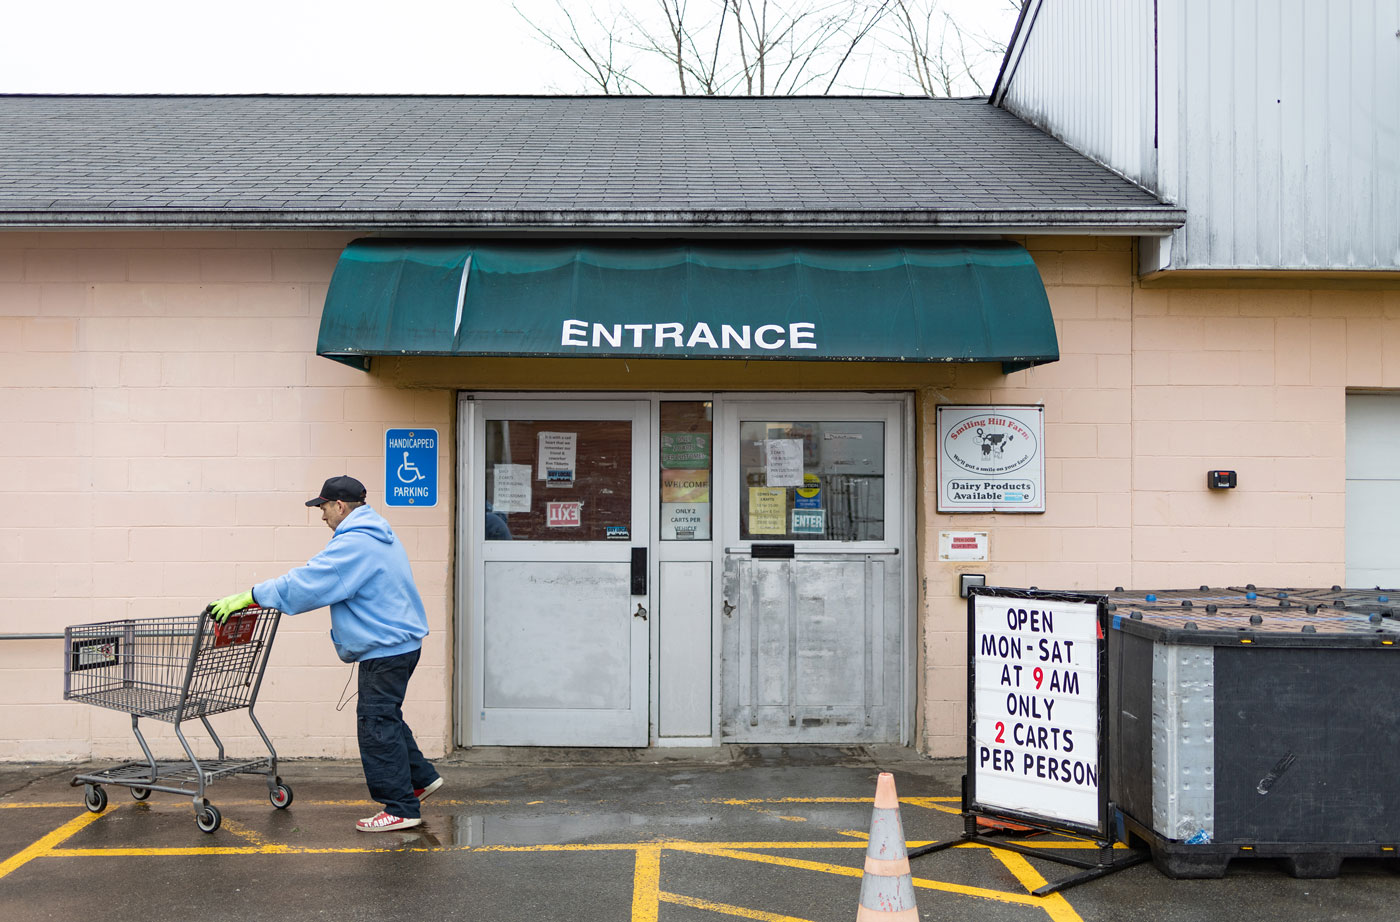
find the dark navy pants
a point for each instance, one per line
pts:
(394, 767)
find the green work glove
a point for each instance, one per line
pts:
(221, 609)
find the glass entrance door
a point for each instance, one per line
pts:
(560, 595)
(813, 585)
(683, 570)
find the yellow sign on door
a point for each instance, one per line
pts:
(767, 510)
(685, 486)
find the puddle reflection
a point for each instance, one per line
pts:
(561, 828)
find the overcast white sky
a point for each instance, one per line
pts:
(346, 46)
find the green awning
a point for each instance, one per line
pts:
(930, 302)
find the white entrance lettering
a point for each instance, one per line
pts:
(701, 333)
(574, 330)
(671, 331)
(699, 337)
(802, 335)
(733, 335)
(765, 344)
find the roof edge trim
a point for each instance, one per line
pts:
(1151, 221)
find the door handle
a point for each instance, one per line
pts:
(639, 571)
(641, 612)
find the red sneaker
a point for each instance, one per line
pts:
(424, 793)
(386, 822)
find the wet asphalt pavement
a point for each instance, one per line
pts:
(767, 833)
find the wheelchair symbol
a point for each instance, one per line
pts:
(408, 471)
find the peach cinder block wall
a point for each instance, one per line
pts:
(1154, 387)
(165, 418)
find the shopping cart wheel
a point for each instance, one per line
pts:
(140, 793)
(281, 796)
(94, 798)
(208, 819)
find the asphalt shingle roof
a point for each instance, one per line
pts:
(436, 161)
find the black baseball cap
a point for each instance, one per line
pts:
(344, 488)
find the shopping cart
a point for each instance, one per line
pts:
(174, 669)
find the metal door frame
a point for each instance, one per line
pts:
(465, 556)
(901, 490)
(467, 596)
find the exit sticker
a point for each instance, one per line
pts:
(564, 515)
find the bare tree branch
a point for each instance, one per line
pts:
(763, 47)
(877, 14)
(598, 65)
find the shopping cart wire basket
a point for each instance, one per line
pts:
(174, 669)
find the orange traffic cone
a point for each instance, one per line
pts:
(887, 889)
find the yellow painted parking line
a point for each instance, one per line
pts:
(934, 803)
(243, 832)
(282, 849)
(1054, 904)
(45, 846)
(647, 893)
(726, 909)
(176, 851)
(245, 802)
(746, 801)
(1000, 896)
(646, 885)
(941, 804)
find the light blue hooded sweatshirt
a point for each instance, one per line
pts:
(364, 576)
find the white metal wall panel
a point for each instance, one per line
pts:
(1277, 122)
(1373, 490)
(1289, 145)
(1085, 75)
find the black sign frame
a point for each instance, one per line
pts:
(971, 804)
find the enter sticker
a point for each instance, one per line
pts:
(808, 521)
(565, 515)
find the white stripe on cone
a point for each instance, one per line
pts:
(887, 889)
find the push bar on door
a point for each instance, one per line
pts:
(788, 551)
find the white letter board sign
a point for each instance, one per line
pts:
(1036, 683)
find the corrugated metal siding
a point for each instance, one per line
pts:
(1287, 143)
(1277, 121)
(1086, 77)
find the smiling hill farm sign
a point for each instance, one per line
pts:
(991, 459)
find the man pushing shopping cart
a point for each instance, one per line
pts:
(377, 621)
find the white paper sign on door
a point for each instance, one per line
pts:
(783, 462)
(510, 488)
(558, 452)
(685, 521)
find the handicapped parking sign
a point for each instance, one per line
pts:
(410, 467)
